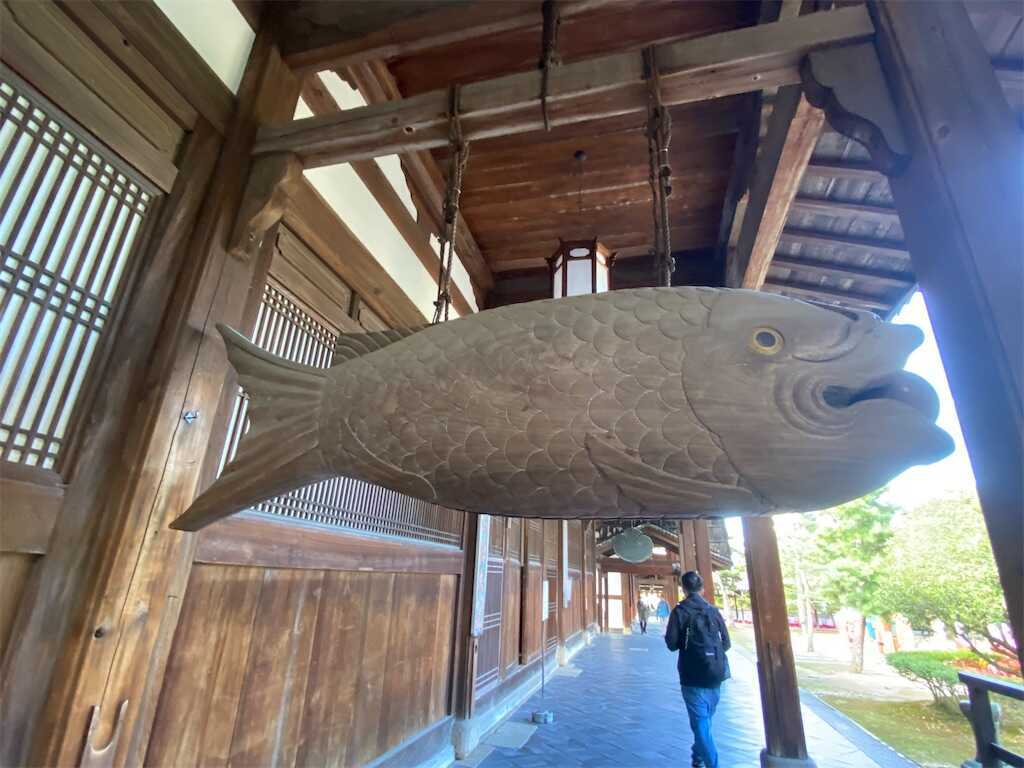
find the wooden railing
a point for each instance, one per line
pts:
(978, 710)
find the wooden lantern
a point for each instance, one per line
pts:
(580, 266)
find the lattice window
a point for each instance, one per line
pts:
(287, 329)
(70, 216)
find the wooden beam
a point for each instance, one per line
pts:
(317, 224)
(793, 130)
(959, 201)
(40, 51)
(876, 214)
(705, 567)
(826, 294)
(424, 31)
(687, 546)
(839, 271)
(727, 63)
(144, 28)
(776, 668)
(255, 540)
(611, 565)
(888, 248)
(320, 102)
(376, 84)
(737, 193)
(838, 170)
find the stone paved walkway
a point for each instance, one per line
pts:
(618, 704)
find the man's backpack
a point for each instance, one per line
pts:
(702, 656)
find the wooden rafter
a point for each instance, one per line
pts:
(837, 170)
(423, 32)
(888, 248)
(374, 82)
(320, 102)
(827, 294)
(793, 130)
(731, 62)
(876, 214)
(313, 220)
(839, 271)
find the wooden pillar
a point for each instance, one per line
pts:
(106, 601)
(959, 199)
(687, 546)
(466, 638)
(702, 541)
(563, 579)
(603, 607)
(776, 670)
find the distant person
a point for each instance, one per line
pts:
(643, 611)
(663, 611)
(697, 631)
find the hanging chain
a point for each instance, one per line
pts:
(549, 55)
(659, 135)
(456, 169)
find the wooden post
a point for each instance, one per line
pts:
(687, 546)
(107, 629)
(465, 651)
(959, 200)
(563, 573)
(776, 670)
(702, 540)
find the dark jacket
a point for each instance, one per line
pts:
(675, 633)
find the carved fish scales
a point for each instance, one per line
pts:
(670, 402)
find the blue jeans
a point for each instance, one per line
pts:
(700, 706)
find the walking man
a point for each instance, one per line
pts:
(697, 631)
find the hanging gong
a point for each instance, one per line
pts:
(633, 546)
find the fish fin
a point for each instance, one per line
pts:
(281, 450)
(661, 493)
(352, 345)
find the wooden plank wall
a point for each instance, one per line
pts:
(15, 569)
(280, 666)
(264, 662)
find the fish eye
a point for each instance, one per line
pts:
(766, 341)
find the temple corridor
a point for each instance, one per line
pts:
(618, 704)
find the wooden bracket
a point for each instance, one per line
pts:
(848, 84)
(272, 179)
(101, 758)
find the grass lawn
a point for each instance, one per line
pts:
(922, 731)
(894, 710)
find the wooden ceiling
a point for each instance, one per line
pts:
(521, 193)
(842, 242)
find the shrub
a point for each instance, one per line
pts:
(936, 669)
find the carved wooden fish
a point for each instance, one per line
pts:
(654, 402)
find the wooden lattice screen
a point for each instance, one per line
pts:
(70, 216)
(285, 328)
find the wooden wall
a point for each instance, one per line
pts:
(15, 569)
(522, 555)
(287, 667)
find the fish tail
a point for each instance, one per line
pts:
(281, 450)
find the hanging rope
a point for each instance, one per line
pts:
(549, 53)
(456, 169)
(659, 135)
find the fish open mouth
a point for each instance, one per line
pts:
(902, 386)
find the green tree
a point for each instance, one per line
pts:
(850, 552)
(942, 568)
(802, 570)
